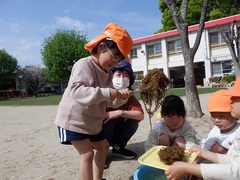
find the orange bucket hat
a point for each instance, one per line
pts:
(218, 102)
(118, 34)
(235, 91)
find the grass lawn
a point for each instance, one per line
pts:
(32, 101)
(55, 99)
(181, 91)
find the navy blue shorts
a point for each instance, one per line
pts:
(67, 136)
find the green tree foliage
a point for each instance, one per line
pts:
(222, 8)
(60, 51)
(8, 65)
(216, 9)
(167, 20)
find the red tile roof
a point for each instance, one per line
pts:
(208, 24)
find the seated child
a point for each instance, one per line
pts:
(225, 166)
(172, 129)
(220, 138)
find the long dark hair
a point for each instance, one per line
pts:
(173, 105)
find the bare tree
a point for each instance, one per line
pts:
(193, 103)
(33, 78)
(231, 36)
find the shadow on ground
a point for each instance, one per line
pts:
(136, 147)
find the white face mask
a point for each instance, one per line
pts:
(120, 83)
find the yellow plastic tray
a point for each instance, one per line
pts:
(151, 158)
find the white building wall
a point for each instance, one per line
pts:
(165, 59)
(207, 55)
(200, 55)
(140, 63)
(204, 54)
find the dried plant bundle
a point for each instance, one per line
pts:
(152, 91)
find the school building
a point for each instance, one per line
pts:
(164, 51)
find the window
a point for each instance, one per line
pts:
(220, 68)
(178, 45)
(217, 68)
(154, 51)
(134, 53)
(175, 47)
(227, 67)
(216, 39)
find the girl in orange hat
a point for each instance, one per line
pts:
(82, 109)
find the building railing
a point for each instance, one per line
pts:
(153, 56)
(218, 44)
(174, 52)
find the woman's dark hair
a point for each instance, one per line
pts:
(173, 105)
(110, 44)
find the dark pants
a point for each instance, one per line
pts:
(120, 132)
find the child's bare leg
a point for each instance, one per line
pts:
(102, 148)
(217, 148)
(164, 140)
(179, 141)
(84, 148)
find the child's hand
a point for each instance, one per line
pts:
(124, 93)
(176, 171)
(196, 150)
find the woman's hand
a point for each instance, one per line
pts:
(113, 115)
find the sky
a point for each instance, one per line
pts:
(24, 24)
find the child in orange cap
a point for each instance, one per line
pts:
(220, 138)
(89, 93)
(235, 99)
(225, 166)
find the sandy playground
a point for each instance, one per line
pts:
(30, 148)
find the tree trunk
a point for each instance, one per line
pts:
(193, 106)
(231, 38)
(236, 68)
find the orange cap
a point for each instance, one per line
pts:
(118, 34)
(235, 91)
(218, 102)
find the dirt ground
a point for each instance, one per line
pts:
(30, 148)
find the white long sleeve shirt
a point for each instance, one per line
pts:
(223, 139)
(229, 164)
